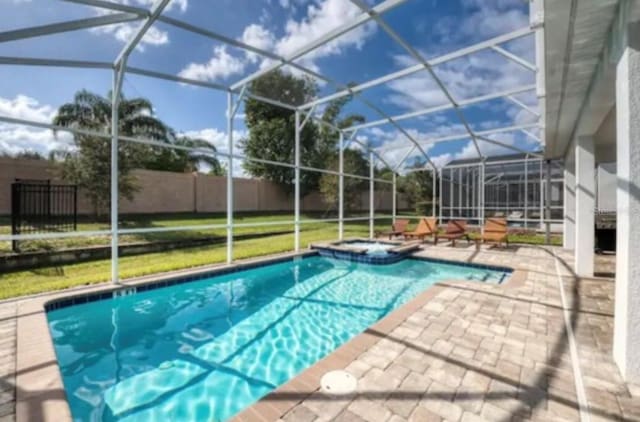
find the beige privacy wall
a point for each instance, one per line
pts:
(167, 192)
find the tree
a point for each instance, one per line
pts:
(354, 163)
(417, 187)
(23, 155)
(89, 164)
(272, 129)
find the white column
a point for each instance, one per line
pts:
(626, 338)
(585, 205)
(115, 101)
(393, 199)
(569, 225)
(526, 190)
(482, 199)
(230, 178)
(341, 187)
(296, 206)
(434, 174)
(547, 208)
(440, 196)
(541, 204)
(371, 195)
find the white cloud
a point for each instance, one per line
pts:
(24, 107)
(220, 66)
(483, 19)
(320, 18)
(15, 138)
(257, 36)
(123, 32)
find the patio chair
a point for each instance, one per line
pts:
(456, 229)
(397, 228)
(426, 227)
(495, 230)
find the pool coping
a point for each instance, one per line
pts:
(40, 393)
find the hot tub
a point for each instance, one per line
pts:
(367, 250)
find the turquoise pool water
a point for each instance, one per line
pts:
(205, 350)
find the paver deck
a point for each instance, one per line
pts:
(461, 352)
(483, 352)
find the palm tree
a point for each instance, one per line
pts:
(89, 164)
(180, 160)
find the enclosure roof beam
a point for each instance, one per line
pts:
(111, 5)
(523, 105)
(326, 38)
(448, 106)
(30, 61)
(175, 78)
(531, 135)
(156, 10)
(464, 135)
(502, 144)
(509, 55)
(204, 84)
(418, 67)
(416, 55)
(404, 158)
(60, 27)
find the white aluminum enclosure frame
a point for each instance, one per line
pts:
(238, 91)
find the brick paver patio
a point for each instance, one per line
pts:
(481, 352)
(471, 352)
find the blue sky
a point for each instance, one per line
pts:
(434, 27)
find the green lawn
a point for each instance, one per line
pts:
(164, 221)
(55, 278)
(60, 277)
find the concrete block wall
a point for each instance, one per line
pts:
(168, 192)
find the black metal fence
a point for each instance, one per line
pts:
(37, 206)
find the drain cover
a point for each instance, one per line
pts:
(338, 382)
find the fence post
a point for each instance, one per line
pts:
(15, 211)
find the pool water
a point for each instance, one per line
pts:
(205, 350)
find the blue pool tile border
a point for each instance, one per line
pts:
(330, 253)
(168, 282)
(391, 258)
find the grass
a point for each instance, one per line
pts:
(55, 278)
(163, 221)
(60, 277)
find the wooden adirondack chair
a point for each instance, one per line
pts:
(495, 230)
(456, 229)
(397, 228)
(426, 227)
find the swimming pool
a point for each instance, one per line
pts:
(205, 350)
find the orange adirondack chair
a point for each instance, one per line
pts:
(495, 230)
(397, 228)
(426, 227)
(456, 229)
